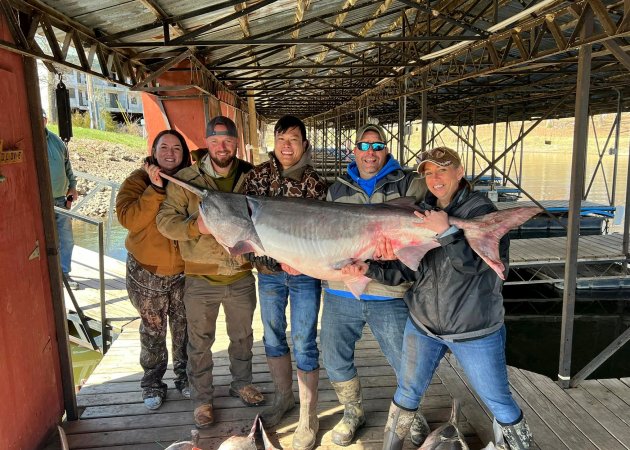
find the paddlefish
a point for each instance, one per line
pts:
(318, 238)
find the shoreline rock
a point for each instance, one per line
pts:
(113, 162)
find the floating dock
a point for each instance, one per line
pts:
(593, 416)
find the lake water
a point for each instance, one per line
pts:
(546, 176)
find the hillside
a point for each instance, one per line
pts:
(106, 155)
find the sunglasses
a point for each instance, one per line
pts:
(376, 146)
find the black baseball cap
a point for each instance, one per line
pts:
(226, 122)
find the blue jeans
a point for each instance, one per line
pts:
(66, 241)
(483, 361)
(304, 293)
(343, 320)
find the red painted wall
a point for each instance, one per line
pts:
(188, 116)
(30, 385)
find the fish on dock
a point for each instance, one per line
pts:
(248, 442)
(187, 445)
(447, 436)
(318, 238)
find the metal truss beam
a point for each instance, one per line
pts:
(512, 49)
(293, 41)
(89, 56)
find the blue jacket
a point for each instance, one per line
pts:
(61, 176)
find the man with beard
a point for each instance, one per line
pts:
(213, 278)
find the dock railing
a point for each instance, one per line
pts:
(101, 185)
(104, 237)
(105, 334)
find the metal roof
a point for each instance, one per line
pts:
(325, 58)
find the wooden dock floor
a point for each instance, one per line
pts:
(85, 271)
(552, 250)
(595, 415)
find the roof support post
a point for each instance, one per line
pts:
(424, 112)
(578, 171)
(616, 163)
(626, 221)
(50, 234)
(402, 119)
(253, 127)
(494, 140)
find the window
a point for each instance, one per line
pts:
(113, 100)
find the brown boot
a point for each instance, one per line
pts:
(306, 431)
(204, 416)
(349, 395)
(283, 400)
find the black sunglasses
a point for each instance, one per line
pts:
(376, 146)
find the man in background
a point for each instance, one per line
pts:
(64, 191)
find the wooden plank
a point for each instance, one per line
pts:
(574, 412)
(608, 398)
(470, 407)
(601, 414)
(619, 388)
(551, 429)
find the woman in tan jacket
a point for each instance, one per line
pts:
(155, 279)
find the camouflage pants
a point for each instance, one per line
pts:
(158, 298)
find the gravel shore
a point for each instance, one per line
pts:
(113, 162)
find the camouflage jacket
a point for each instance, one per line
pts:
(267, 180)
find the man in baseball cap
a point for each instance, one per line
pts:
(227, 128)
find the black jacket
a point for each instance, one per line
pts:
(455, 295)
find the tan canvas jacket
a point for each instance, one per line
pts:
(177, 220)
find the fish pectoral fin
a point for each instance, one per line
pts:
(341, 264)
(411, 256)
(357, 285)
(243, 247)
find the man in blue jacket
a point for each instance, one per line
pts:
(375, 176)
(64, 191)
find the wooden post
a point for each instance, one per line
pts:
(253, 127)
(578, 171)
(50, 232)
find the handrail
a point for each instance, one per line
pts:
(101, 267)
(101, 184)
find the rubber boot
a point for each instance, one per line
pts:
(397, 426)
(349, 395)
(283, 400)
(517, 436)
(306, 431)
(419, 429)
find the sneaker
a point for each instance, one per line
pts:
(73, 284)
(185, 391)
(153, 403)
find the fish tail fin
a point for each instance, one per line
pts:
(455, 410)
(484, 233)
(63, 438)
(183, 184)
